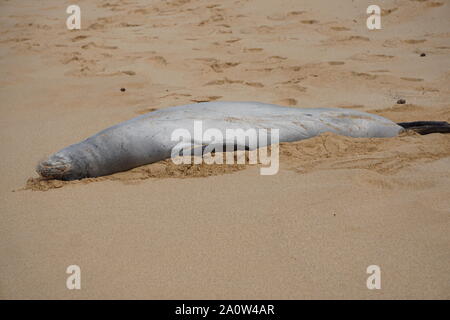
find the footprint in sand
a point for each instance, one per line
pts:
(411, 79)
(259, 69)
(96, 26)
(281, 17)
(277, 17)
(413, 41)
(78, 38)
(264, 29)
(158, 60)
(108, 5)
(178, 3)
(142, 11)
(351, 106)
(296, 13)
(211, 6)
(102, 22)
(295, 68)
(73, 59)
(146, 110)
(340, 29)
(426, 89)
(94, 45)
(219, 67)
(397, 108)
(225, 31)
(291, 85)
(255, 84)
(293, 81)
(214, 18)
(228, 81)
(356, 38)
(434, 4)
(371, 57)
(206, 99)
(253, 50)
(222, 82)
(275, 59)
(309, 21)
(128, 25)
(386, 12)
(365, 76)
(287, 102)
(336, 63)
(176, 95)
(233, 40)
(401, 183)
(207, 60)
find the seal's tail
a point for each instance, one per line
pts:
(426, 127)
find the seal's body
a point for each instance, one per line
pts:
(147, 138)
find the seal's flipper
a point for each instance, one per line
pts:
(426, 127)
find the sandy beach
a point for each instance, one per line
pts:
(161, 231)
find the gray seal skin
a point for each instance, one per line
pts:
(147, 138)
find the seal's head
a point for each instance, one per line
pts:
(61, 167)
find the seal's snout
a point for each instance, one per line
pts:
(55, 167)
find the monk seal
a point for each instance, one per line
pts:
(147, 138)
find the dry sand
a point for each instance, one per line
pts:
(337, 205)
